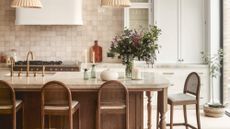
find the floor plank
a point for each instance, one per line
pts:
(206, 122)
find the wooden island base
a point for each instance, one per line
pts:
(88, 103)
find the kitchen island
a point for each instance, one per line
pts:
(85, 91)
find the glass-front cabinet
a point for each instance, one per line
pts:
(139, 14)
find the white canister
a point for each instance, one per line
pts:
(136, 73)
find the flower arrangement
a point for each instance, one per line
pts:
(132, 44)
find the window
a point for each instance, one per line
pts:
(226, 29)
(139, 14)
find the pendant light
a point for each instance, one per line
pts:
(115, 3)
(26, 4)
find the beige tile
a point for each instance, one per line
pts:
(36, 38)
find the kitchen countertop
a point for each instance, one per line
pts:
(74, 80)
(142, 64)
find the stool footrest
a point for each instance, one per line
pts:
(182, 124)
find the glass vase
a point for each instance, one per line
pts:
(128, 69)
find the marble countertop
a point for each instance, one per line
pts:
(74, 80)
(142, 64)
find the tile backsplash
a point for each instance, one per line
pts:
(61, 42)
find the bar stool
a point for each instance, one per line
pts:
(8, 103)
(191, 95)
(113, 98)
(56, 99)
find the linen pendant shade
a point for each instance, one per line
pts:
(115, 3)
(26, 4)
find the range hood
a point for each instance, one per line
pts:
(54, 12)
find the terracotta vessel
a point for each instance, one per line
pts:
(97, 50)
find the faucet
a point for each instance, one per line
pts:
(12, 62)
(28, 62)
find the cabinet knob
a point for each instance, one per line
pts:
(180, 60)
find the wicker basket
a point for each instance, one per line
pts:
(213, 112)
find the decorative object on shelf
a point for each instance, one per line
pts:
(26, 4)
(96, 53)
(132, 44)
(108, 75)
(86, 75)
(213, 108)
(115, 3)
(93, 71)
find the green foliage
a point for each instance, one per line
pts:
(133, 44)
(214, 62)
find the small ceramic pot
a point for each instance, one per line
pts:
(108, 75)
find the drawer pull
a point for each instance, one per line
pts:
(171, 84)
(201, 73)
(168, 73)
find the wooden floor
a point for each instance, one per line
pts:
(206, 122)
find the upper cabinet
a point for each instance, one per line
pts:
(139, 14)
(166, 18)
(192, 36)
(183, 26)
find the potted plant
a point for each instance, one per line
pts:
(132, 44)
(213, 108)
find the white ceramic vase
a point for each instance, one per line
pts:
(108, 75)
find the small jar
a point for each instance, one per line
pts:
(86, 76)
(13, 54)
(93, 71)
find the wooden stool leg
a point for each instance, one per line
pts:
(42, 121)
(99, 119)
(198, 115)
(14, 119)
(79, 119)
(185, 116)
(49, 121)
(71, 121)
(23, 116)
(171, 117)
(157, 119)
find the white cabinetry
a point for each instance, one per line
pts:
(166, 18)
(182, 23)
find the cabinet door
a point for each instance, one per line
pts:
(166, 18)
(138, 17)
(191, 30)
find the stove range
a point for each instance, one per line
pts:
(38, 62)
(37, 65)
